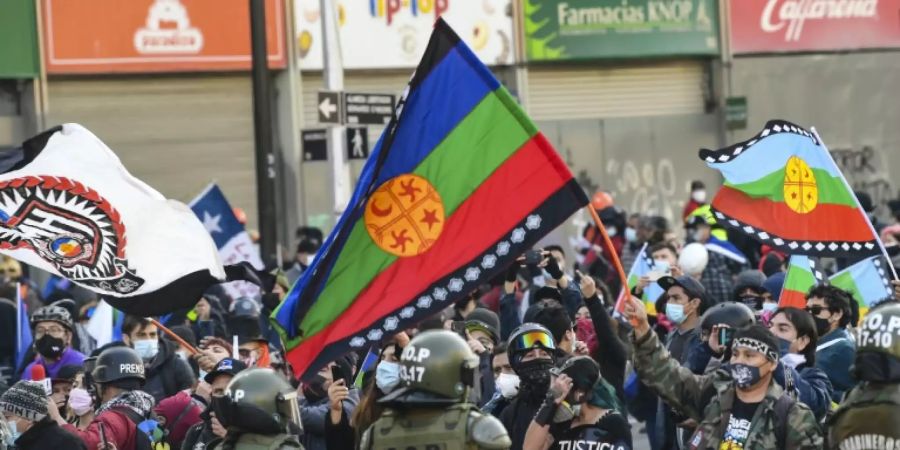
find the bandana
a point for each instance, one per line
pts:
(137, 401)
(757, 345)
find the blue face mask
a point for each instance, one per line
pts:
(675, 313)
(147, 348)
(769, 307)
(784, 346)
(630, 234)
(387, 376)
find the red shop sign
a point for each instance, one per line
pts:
(768, 26)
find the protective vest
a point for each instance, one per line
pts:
(251, 441)
(423, 429)
(869, 418)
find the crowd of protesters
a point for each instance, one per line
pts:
(563, 361)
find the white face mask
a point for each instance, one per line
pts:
(147, 348)
(507, 384)
(13, 432)
(699, 196)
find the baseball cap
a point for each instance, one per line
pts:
(227, 366)
(689, 284)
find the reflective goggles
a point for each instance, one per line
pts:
(536, 338)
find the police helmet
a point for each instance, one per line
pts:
(257, 401)
(438, 364)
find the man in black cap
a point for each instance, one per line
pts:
(201, 434)
(685, 302)
(482, 334)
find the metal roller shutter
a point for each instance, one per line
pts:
(581, 92)
(176, 133)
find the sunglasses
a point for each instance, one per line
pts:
(533, 339)
(815, 310)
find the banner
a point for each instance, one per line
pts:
(18, 40)
(100, 36)
(768, 26)
(378, 34)
(557, 30)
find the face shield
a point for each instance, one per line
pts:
(288, 407)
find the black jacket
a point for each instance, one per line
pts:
(611, 355)
(517, 416)
(167, 373)
(198, 435)
(46, 434)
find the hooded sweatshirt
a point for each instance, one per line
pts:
(120, 430)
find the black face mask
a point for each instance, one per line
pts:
(752, 301)
(50, 347)
(534, 375)
(877, 367)
(314, 391)
(271, 301)
(822, 326)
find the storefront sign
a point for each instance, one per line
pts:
(767, 26)
(590, 29)
(736, 113)
(100, 36)
(377, 34)
(18, 40)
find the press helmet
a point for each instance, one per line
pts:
(257, 401)
(118, 363)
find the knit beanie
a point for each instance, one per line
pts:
(26, 399)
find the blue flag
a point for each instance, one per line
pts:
(23, 328)
(230, 236)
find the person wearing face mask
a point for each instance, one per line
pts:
(532, 353)
(120, 403)
(870, 413)
(166, 373)
(201, 434)
(24, 409)
(505, 380)
(581, 411)
(773, 285)
(482, 334)
(51, 327)
(697, 199)
(63, 384)
(797, 371)
(830, 309)
(685, 303)
(725, 261)
(736, 407)
(430, 408)
(325, 399)
(749, 290)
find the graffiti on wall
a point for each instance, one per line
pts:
(866, 170)
(648, 187)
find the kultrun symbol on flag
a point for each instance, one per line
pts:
(801, 193)
(405, 215)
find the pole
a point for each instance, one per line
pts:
(174, 336)
(858, 206)
(262, 134)
(333, 72)
(609, 248)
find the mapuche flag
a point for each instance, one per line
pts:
(459, 185)
(783, 189)
(69, 206)
(867, 281)
(801, 276)
(643, 266)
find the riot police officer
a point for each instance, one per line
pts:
(430, 410)
(258, 409)
(869, 416)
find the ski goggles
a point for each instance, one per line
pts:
(536, 338)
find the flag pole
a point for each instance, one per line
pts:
(19, 306)
(858, 206)
(174, 336)
(609, 246)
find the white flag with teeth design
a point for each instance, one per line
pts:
(70, 207)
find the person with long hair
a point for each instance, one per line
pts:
(797, 337)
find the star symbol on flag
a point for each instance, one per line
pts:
(211, 223)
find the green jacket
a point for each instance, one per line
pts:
(708, 399)
(869, 417)
(251, 441)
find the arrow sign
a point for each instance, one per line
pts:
(329, 107)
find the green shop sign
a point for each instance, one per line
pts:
(18, 39)
(557, 30)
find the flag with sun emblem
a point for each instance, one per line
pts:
(459, 185)
(68, 206)
(783, 189)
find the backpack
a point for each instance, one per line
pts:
(142, 440)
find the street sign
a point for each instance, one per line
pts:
(368, 109)
(328, 105)
(736, 113)
(357, 143)
(315, 145)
